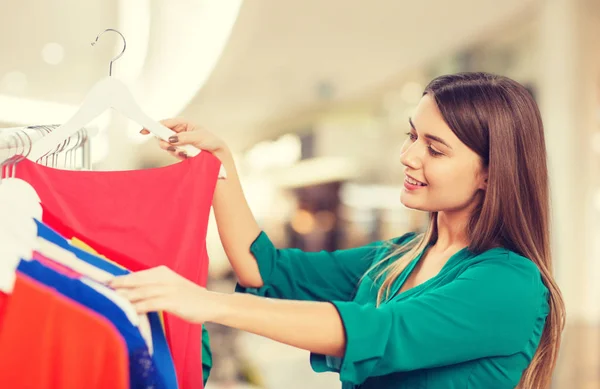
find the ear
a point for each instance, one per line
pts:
(483, 179)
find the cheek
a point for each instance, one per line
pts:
(440, 175)
(450, 178)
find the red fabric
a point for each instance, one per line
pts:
(67, 232)
(140, 219)
(48, 341)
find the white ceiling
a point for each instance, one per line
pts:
(278, 52)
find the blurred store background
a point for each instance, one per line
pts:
(313, 97)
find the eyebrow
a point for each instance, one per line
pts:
(429, 136)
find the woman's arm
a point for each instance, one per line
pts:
(312, 326)
(472, 317)
(236, 224)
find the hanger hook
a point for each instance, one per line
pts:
(120, 54)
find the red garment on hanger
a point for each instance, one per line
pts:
(139, 219)
(48, 341)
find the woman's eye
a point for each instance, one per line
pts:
(411, 136)
(434, 152)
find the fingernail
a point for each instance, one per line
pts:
(173, 139)
(171, 148)
(182, 154)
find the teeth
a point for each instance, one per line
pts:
(414, 182)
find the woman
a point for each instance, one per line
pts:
(471, 303)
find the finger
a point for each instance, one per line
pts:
(168, 147)
(176, 124)
(144, 131)
(177, 153)
(152, 305)
(165, 145)
(173, 150)
(142, 293)
(186, 138)
(152, 276)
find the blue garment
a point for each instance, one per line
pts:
(142, 370)
(162, 353)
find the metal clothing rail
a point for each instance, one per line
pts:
(73, 153)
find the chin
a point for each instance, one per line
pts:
(413, 204)
(408, 203)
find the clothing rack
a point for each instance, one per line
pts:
(73, 153)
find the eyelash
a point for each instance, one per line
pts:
(432, 151)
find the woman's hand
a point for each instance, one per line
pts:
(313, 326)
(190, 134)
(161, 289)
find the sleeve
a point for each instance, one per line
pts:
(492, 309)
(316, 276)
(206, 355)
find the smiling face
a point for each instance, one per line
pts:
(441, 173)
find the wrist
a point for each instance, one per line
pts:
(221, 306)
(224, 155)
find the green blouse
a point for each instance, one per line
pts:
(476, 324)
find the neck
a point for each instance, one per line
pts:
(452, 229)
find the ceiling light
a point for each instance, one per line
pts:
(53, 53)
(165, 87)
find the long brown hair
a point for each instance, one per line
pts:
(498, 119)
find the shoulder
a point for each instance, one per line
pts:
(512, 286)
(506, 259)
(509, 271)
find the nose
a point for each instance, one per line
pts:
(410, 156)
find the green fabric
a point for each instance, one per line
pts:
(206, 355)
(477, 324)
